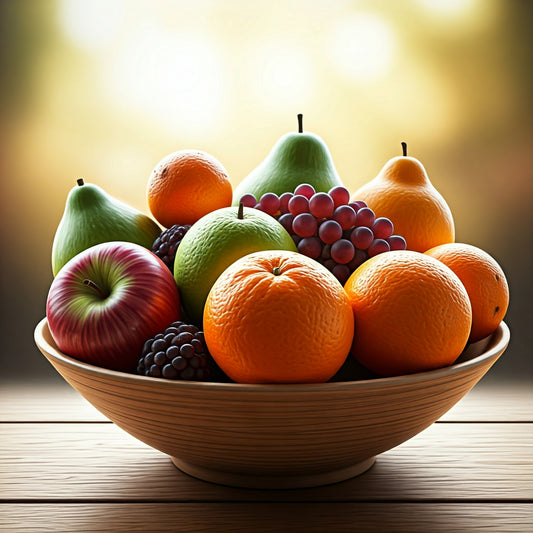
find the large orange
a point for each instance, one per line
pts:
(186, 185)
(485, 283)
(278, 317)
(412, 313)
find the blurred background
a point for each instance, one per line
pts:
(103, 89)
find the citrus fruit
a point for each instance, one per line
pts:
(412, 313)
(214, 242)
(403, 193)
(186, 185)
(485, 283)
(278, 317)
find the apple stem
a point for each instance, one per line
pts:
(240, 212)
(80, 182)
(404, 149)
(276, 271)
(300, 123)
(94, 286)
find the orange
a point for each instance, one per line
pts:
(484, 281)
(186, 185)
(278, 317)
(412, 313)
(403, 193)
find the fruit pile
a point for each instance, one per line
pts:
(289, 278)
(339, 234)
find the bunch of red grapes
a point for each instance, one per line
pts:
(339, 234)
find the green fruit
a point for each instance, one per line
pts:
(296, 158)
(91, 217)
(216, 241)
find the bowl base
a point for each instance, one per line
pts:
(252, 481)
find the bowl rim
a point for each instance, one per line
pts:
(497, 343)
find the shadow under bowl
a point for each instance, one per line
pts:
(275, 436)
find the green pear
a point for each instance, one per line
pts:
(296, 158)
(91, 217)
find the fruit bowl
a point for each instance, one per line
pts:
(275, 436)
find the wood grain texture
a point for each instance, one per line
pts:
(34, 402)
(272, 436)
(267, 517)
(99, 462)
(42, 402)
(504, 402)
(65, 467)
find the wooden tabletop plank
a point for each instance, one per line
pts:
(30, 402)
(99, 462)
(267, 517)
(505, 402)
(34, 402)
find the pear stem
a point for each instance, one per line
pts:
(80, 182)
(276, 271)
(404, 149)
(240, 212)
(95, 287)
(300, 123)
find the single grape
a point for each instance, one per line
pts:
(269, 203)
(286, 221)
(345, 216)
(362, 237)
(310, 246)
(298, 204)
(397, 242)
(357, 204)
(330, 231)
(365, 217)
(342, 251)
(321, 205)
(359, 258)
(284, 202)
(304, 225)
(340, 195)
(305, 190)
(325, 251)
(379, 246)
(382, 228)
(341, 272)
(248, 200)
(329, 264)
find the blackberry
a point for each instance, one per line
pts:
(179, 353)
(167, 243)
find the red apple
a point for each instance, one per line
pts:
(108, 300)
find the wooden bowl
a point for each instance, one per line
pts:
(275, 436)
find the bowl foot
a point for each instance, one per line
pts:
(251, 481)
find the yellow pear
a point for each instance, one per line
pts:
(403, 193)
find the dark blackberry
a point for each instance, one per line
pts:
(179, 352)
(167, 243)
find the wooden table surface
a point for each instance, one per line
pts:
(65, 467)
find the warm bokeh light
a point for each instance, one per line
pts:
(91, 25)
(363, 47)
(104, 89)
(461, 16)
(450, 7)
(175, 80)
(280, 74)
